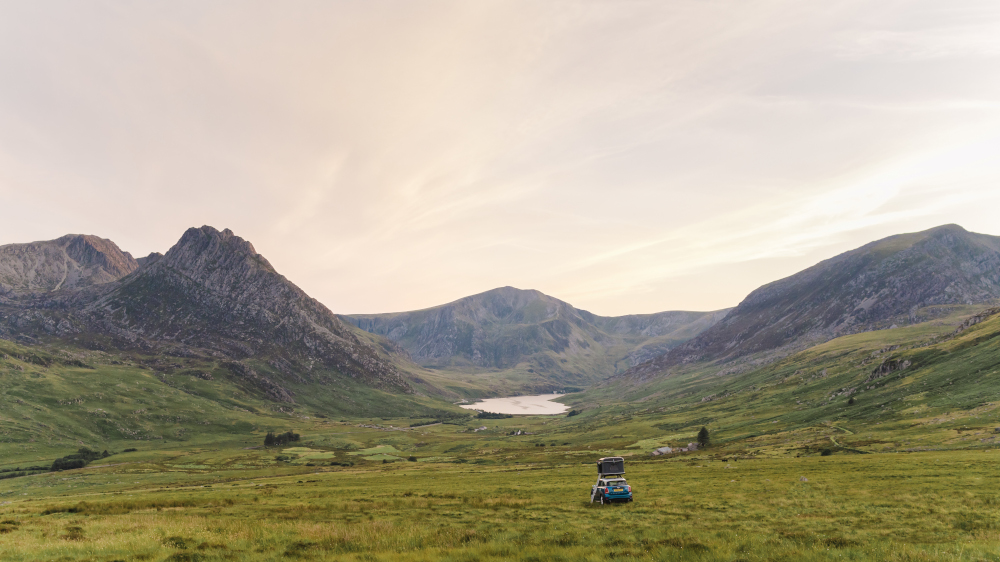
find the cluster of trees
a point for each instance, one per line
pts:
(272, 440)
(492, 416)
(80, 459)
(17, 472)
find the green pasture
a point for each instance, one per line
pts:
(797, 470)
(915, 506)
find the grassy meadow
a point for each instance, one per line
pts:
(816, 456)
(903, 506)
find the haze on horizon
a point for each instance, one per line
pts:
(385, 156)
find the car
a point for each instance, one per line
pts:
(611, 490)
(611, 486)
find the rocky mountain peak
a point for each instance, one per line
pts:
(73, 261)
(869, 288)
(207, 249)
(213, 291)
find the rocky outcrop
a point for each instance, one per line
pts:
(976, 319)
(74, 261)
(873, 287)
(888, 366)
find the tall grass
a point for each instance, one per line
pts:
(920, 506)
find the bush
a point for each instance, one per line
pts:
(492, 416)
(572, 413)
(79, 459)
(826, 453)
(272, 440)
(412, 459)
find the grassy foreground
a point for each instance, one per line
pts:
(900, 506)
(910, 473)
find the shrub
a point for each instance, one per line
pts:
(79, 459)
(272, 440)
(492, 416)
(74, 534)
(175, 542)
(572, 413)
(825, 453)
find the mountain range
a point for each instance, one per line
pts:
(210, 297)
(215, 302)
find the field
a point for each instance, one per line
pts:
(197, 506)
(824, 454)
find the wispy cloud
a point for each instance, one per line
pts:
(390, 155)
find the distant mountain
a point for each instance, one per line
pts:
(71, 262)
(873, 287)
(210, 296)
(509, 328)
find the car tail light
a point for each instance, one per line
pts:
(628, 489)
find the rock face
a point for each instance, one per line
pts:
(873, 287)
(212, 294)
(507, 327)
(71, 262)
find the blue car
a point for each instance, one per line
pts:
(611, 486)
(612, 489)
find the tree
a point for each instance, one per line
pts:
(703, 437)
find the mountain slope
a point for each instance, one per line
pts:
(928, 385)
(509, 328)
(880, 284)
(211, 296)
(71, 262)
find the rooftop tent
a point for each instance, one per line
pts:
(611, 465)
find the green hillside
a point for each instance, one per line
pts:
(927, 386)
(56, 399)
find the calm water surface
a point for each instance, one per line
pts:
(534, 405)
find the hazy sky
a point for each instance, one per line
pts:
(625, 156)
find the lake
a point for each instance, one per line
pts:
(534, 405)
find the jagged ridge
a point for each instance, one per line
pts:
(872, 287)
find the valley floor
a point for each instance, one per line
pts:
(873, 446)
(232, 503)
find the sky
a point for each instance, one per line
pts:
(624, 156)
